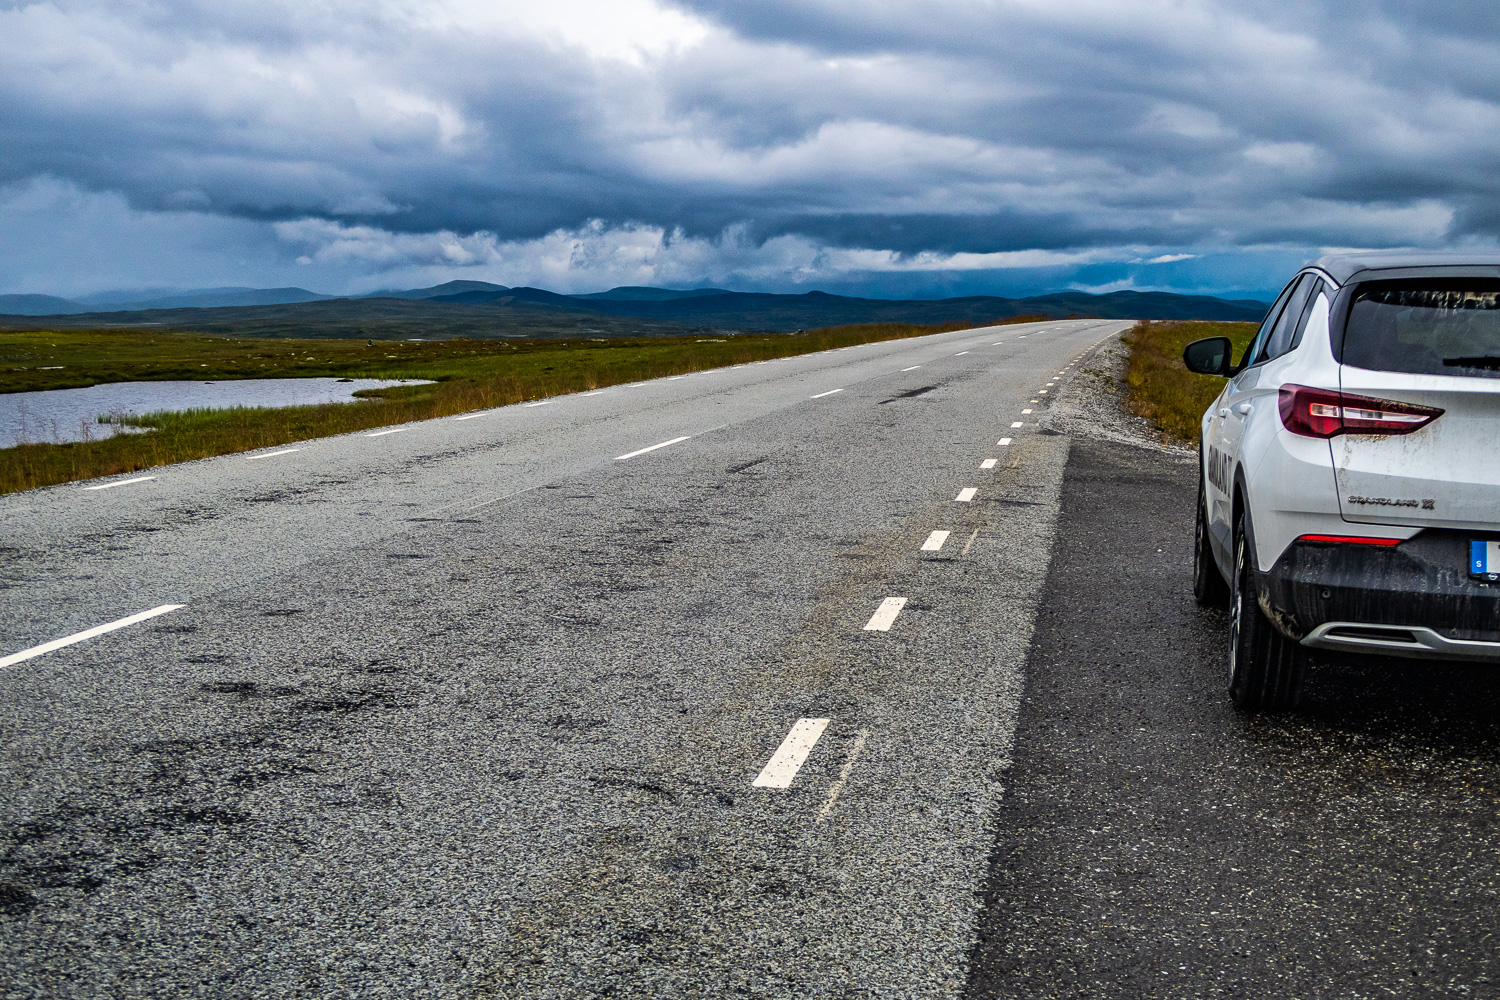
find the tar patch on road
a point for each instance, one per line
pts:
(908, 394)
(1155, 843)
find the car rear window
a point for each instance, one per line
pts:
(1432, 327)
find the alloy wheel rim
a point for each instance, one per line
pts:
(1198, 540)
(1234, 610)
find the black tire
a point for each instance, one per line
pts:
(1210, 589)
(1265, 667)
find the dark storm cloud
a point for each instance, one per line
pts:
(942, 126)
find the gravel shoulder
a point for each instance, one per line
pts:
(1093, 405)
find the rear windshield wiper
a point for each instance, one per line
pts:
(1486, 361)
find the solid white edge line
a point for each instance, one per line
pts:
(885, 615)
(642, 451)
(781, 770)
(394, 430)
(270, 454)
(830, 392)
(119, 482)
(988, 463)
(935, 541)
(965, 495)
(68, 640)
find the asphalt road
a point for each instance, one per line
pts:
(483, 707)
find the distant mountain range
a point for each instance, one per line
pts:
(155, 298)
(482, 309)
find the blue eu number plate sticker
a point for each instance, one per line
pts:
(1484, 559)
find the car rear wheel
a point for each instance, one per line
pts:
(1265, 667)
(1209, 587)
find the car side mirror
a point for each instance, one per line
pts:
(1213, 356)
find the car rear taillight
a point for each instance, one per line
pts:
(1326, 413)
(1348, 540)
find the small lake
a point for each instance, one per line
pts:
(59, 415)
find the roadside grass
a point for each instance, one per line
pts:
(1161, 389)
(466, 375)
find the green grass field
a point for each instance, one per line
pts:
(1161, 389)
(466, 375)
(69, 359)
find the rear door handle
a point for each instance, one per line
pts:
(1243, 408)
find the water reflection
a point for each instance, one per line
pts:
(60, 415)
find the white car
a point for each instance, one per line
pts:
(1349, 497)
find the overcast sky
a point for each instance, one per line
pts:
(925, 147)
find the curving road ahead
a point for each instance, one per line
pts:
(698, 687)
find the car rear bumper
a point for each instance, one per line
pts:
(1414, 599)
(1415, 641)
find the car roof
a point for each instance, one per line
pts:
(1343, 267)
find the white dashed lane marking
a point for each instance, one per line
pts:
(960, 354)
(271, 454)
(68, 640)
(935, 541)
(1003, 442)
(988, 463)
(965, 495)
(1024, 412)
(394, 430)
(127, 482)
(471, 416)
(1016, 424)
(783, 766)
(540, 402)
(642, 451)
(885, 615)
(830, 392)
(912, 368)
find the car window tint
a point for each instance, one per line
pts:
(1434, 326)
(1319, 288)
(1279, 341)
(1265, 327)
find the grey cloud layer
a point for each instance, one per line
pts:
(945, 125)
(1205, 112)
